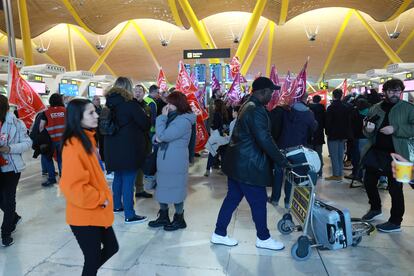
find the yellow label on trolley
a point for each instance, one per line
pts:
(300, 203)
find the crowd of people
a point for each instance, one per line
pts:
(135, 133)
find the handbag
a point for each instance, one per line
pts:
(150, 164)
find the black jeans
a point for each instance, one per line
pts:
(394, 188)
(8, 186)
(90, 240)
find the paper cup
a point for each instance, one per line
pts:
(403, 171)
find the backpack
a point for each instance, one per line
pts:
(107, 122)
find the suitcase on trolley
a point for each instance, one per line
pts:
(332, 225)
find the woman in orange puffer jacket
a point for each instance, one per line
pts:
(88, 197)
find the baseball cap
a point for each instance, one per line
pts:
(263, 83)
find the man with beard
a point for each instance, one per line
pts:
(388, 127)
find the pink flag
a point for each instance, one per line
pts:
(345, 87)
(234, 67)
(276, 95)
(298, 88)
(161, 81)
(242, 79)
(285, 91)
(28, 102)
(234, 95)
(184, 82)
(200, 94)
(215, 84)
(194, 79)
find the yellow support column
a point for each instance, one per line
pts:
(336, 43)
(76, 16)
(270, 48)
(384, 46)
(203, 24)
(93, 49)
(108, 49)
(283, 12)
(246, 64)
(403, 7)
(250, 29)
(25, 32)
(198, 28)
(175, 14)
(403, 45)
(72, 58)
(146, 44)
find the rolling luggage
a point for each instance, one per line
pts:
(332, 225)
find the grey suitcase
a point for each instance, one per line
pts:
(332, 225)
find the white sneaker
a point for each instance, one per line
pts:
(217, 239)
(270, 244)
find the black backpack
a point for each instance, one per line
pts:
(107, 122)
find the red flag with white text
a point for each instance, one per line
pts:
(298, 88)
(285, 91)
(28, 102)
(161, 81)
(184, 82)
(235, 93)
(234, 67)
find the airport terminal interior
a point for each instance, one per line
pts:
(78, 49)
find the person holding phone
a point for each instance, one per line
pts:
(88, 198)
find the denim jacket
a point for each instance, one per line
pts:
(18, 140)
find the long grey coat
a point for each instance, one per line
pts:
(172, 162)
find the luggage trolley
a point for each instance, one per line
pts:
(302, 204)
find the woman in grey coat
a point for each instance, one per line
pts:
(173, 131)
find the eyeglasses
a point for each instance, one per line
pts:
(394, 91)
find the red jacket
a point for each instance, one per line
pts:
(55, 122)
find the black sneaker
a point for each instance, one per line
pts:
(119, 210)
(388, 227)
(349, 176)
(136, 219)
(356, 184)
(49, 183)
(7, 241)
(371, 215)
(143, 194)
(17, 220)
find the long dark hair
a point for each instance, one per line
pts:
(4, 107)
(220, 108)
(73, 128)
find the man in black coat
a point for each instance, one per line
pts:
(337, 128)
(248, 164)
(125, 149)
(318, 137)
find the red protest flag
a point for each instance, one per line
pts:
(298, 88)
(234, 95)
(234, 67)
(285, 91)
(201, 134)
(276, 95)
(28, 102)
(215, 84)
(161, 81)
(345, 87)
(184, 83)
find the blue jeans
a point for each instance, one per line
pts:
(277, 187)
(336, 151)
(256, 197)
(43, 163)
(123, 191)
(57, 147)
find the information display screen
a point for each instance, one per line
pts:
(38, 87)
(218, 72)
(200, 73)
(68, 89)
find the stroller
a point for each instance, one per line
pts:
(324, 225)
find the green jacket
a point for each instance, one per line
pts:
(401, 117)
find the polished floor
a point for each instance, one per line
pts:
(44, 244)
